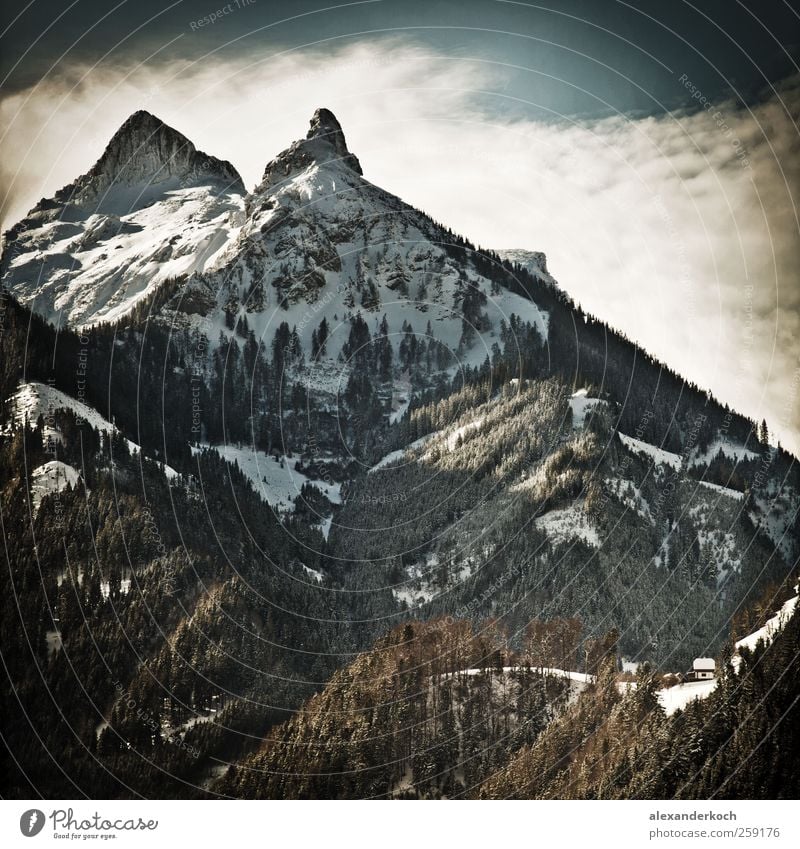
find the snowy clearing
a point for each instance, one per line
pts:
(277, 481)
(659, 456)
(723, 490)
(677, 697)
(581, 405)
(730, 449)
(568, 524)
(53, 476)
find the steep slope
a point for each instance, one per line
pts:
(515, 508)
(368, 420)
(322, 244)
(152, 208)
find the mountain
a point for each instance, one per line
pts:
(152, 208)
(249, 439)
(730, 744)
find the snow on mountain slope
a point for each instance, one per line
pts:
(723, 490)
(775, 512)
(676, 698)
(730, 449)
(50, 477)
(314, 240)
(581, 405)
(768, 632)
(277, 481)
(461, 434)
(630, 496)
(533, 261)
(32, 400)
(400, 453)
(320, 241)
(659, 456)
(567, 525)
(153, 208)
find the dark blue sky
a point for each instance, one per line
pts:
(580, 57)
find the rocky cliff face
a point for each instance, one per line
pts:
(147, 152)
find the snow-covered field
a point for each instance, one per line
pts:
(677, 697)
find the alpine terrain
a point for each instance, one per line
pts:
(305, 495)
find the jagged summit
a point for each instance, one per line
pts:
(144, 159)
(324, 143)
(324, 125)
(146, 150)
(326, 129)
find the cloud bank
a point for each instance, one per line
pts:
(680, 230)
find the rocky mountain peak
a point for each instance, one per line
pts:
(326, 129)
(324, 142)
(324, 125)
(145, 150)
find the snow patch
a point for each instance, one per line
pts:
(53, 476)
(723, 490)
(659, 456)
(581, 405)
(396, 456)
(568, 524)
(730, 449)
(768, 632)
(276, 480)
(34, 399)
(677, 697)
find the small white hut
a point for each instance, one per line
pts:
(703, 669)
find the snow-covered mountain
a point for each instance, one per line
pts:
(322, 242)
(304, 417)
(313, 240)
(151, 209)
(341, 349)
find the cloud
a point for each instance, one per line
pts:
(681, 230)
